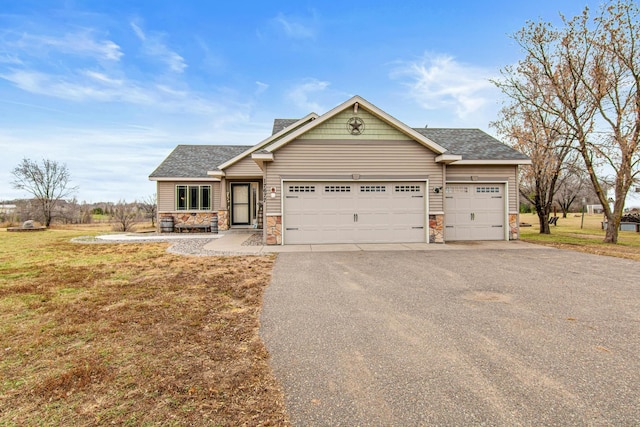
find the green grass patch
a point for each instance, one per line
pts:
(582, 235)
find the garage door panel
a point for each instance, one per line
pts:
(354, 212)
(488, 218)
(474, 211)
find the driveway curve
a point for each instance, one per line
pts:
(469, 337)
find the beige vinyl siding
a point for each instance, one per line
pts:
(167, 194)
(243, 168)
(491, 172)
(340, 158)
(336, 128)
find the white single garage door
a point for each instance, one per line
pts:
(354, 212)
(474, 212)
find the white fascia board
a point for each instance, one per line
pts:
(261, 158)
(448, 158)
(373, 110)
(213, 179)
(267, 157)
(492, 162)
(267, 141)
(218, 174)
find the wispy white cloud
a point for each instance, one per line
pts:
(441, 82)
(301, 95)
(81, 43)
(154, 46)
(260, 87)
(211, 61)
(10, 59)
(89, 85)
(103, 78)
(40, 64)
(295, 27)
(138, 31)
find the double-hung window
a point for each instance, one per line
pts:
(193, 197)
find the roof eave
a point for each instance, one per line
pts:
(448, 158)
(181, 178)
(266, 141)
(493, 162)
(262, 158)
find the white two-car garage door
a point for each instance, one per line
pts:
(354, 212)
(474, 212)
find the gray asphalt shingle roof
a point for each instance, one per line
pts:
(279, 124)
(194, 161)
(471, 144)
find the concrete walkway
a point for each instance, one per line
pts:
(137, 237)
(232, 243)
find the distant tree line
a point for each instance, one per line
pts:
(123, 215)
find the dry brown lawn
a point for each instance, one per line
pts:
(96, 334)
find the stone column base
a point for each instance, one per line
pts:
(223, 220)
(514, 227)
(436, 228)
(274, 230)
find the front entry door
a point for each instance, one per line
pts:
(240, 204)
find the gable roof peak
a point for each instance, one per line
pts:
(357, 101)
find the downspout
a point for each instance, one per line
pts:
(264, 203)
(444, 199)
(223, 193)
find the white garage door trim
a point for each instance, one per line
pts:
(505, 206)
(288, 181)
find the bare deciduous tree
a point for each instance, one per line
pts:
(587, 74)
(124, 216)
(573, 186)
(150, 206)
(48, 182)
(539, 135)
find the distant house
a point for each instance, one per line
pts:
(632, 201)
(354, 174)
(7, 209)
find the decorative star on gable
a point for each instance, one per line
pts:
(355, 126)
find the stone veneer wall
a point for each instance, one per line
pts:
(514, 229)
(185, 217)
(436, 228)
(274, 230)
(223, 220)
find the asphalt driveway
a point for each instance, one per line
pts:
(491, 337)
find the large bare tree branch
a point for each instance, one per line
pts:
(587, 75)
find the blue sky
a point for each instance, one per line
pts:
(110, 87)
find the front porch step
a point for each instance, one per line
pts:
(241, 231)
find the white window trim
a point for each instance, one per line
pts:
(187, 202)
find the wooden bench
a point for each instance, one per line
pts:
(192, 227)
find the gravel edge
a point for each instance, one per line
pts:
(188, 247)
